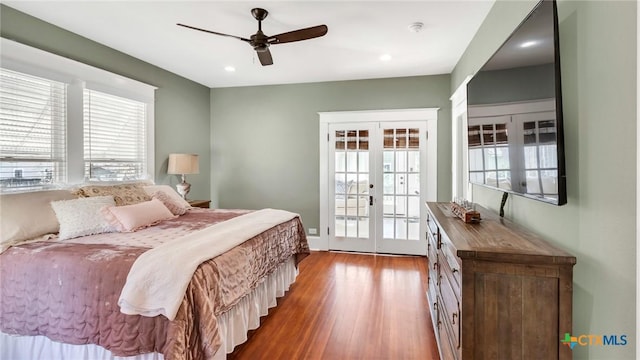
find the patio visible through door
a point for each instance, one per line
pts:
(377, 186)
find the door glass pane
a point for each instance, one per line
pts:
(352, 228)
(389, 206)
(340, 225)
(363, 161)
(413, 184)
(401, 206)
(363, 184)
(388, 227)
(341, 185)
(363, 139)
(352, 161)
(363, 227)
(388, 184)
(352, 140)
(388, 161)
(401, 161)
(401, 229)
(401, 184)
(414, 161)
(414, 230)
(340, 140)
(414, 206)
(341, 161)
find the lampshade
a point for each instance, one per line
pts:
(183, 164)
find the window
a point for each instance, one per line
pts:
(114, 137)
(32, 131)
(62, 121)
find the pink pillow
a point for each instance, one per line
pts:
(171, 204)
(129, 218)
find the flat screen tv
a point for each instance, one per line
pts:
(514, 111)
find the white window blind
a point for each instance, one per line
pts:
(114, 137)
(32, 131)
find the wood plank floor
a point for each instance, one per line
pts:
(349, 306)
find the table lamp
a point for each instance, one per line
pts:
(183, 164)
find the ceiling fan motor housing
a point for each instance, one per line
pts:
(259, 41)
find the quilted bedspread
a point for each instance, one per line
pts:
(68, 290)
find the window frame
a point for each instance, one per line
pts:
(78, 76)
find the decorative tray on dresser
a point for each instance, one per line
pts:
(496, 290)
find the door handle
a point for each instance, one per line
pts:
(370, 200)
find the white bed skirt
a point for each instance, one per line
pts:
(234, 326)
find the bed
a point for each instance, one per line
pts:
(66, 298)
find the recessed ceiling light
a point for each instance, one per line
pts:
(229, 68)
(527, 44)
(385, 57)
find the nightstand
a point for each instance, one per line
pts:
(199, 203)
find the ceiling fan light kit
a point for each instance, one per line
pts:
(261, 42)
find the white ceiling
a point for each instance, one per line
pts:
(359, 33)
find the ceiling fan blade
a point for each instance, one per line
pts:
(297, 35)
(265, 57)
(215, 33)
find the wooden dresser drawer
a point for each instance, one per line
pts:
(450, 310)
(432, 297)
(446, 343)
(451, 263)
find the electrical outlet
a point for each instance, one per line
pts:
(313, 231)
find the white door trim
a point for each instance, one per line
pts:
(430, 115)
(459, 152)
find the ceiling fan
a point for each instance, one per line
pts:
(261, 42)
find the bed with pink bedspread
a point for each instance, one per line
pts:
(68, 290)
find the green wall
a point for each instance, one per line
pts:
(598, 55)
(181, 105)
(266, 143)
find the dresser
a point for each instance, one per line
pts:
(496, 290)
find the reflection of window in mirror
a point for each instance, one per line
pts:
(540, 158)
(489, 158)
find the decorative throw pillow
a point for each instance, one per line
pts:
(80, 217)
(125, 194)
(129, 218)
(25, 216)
(174, 207)
(169, 197)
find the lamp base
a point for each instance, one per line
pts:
(183, 188)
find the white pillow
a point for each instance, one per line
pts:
(82, 216)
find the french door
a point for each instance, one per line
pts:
(377, 186)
